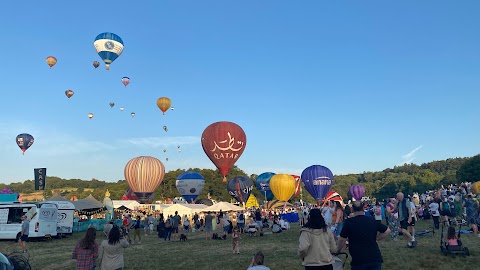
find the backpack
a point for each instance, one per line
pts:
(241, 217)
(446, 207)
(378, 211)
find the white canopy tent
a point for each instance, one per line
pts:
(130, 204)
(224, 206)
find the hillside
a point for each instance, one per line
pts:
(408, 178)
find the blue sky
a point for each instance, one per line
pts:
(352, 85)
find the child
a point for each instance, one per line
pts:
(236, 241)
(452, 237)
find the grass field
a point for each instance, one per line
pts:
(280, 253)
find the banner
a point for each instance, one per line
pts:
(40, 178)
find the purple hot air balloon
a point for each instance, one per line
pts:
(357, 192)
(318, 181)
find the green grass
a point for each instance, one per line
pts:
(280, 252)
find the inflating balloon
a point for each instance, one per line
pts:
(130, 195)
(51, 61)
(298, 186)
(263, 185)
(24, 141)
(144, 174)
(90, 115)
(125, 81)
(224, 143)
(240, 188)
(164, 104)
(112, 104)
(189, 184)
(108, 46)
(318, 180)
(357, 192)
(282, 186)
(69, 93)
(96, 64)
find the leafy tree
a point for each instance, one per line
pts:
(470, 171)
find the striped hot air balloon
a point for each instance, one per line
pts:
(144, 174)
(109, 47)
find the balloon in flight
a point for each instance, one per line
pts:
(144, 174)
(51, 61)
(96, 64)
(90, 115)
(24, 141)
(112, 104)
(121, 109)
(189, 184)
(125, 81)
(109, 47)
(69, 93)
(224, 143)
(282, 186)
(240, 188)
(165, 128)
(164, 104)
(318, 181)
(132, 114)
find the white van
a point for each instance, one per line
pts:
(42, 217)
(65, 213)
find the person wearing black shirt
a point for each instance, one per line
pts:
(363, 233)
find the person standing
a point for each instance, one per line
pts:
(22, 241)
(175, 223)
(258, 219)
(363, 233)
(86, 251)
(377, 212)
(236, 241)
(471, 207)
(208, 225)
(241, 221)
(434, 209)
(404, 209)
(111, 251)
(138, 228)
(316, 243)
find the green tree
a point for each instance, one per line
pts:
(470, 171)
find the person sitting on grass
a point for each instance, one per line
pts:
(452, 238)
(257, 262)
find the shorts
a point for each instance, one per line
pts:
(225, 228)
(241, 225)
(472, 219)
(446, 213)
(24, 238)
(259, 223)
(404, 223)
(208, 228)
(175, 230)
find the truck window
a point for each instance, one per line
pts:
(15, 215)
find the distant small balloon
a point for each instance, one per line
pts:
(96, 64)
(69, 93)
(167, 158)
(172, 108)
(165, 128)
(125, 81)
(90, 115)
(164, 150)
(132, 114)
(121, 108)
(112, 104)
(51, 61)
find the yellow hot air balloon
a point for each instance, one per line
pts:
(282, 186)
(164, 104)
(51, 61)
(144, 174)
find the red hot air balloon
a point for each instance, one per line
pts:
(224, 143)
(298, 187)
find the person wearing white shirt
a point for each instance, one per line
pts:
(433, 208)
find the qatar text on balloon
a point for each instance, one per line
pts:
(230, 146)
(245, 190)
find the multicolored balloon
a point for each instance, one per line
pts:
(112, 104)
(90, 115)
(130, 195)
(144, 174)
(189, 184)
(163, 104)
(69, 93)
(282, 186)
(318, 180)
(224, 143)
(357, 192)
(51, 61)
(24, 141)
(125, 81)
(240, 188)
(298, 186)
(263, 185)
(109, 47)
(96, 64)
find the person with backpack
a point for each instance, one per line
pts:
(241, 221)
(168, 228)
(377, 212)
(445, 210)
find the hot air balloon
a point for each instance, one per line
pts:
(166, 159)
(357, 192)
(144, 174)
(172, 108)
(130, 195)
(121, 109)
(69, 93)
(298, 186)
(51, 61)
(317, 180)
(240, 188)
(282, 186)
(24, 141)
(164, 103)
(108, 46)
(165, 128)
(263, 185)
(132, 114)
(112, 104)
(224, 143)
(164, 150)
(96, 64)
(125, 81)
(90, 115)
(189, 184)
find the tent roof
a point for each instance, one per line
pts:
(88, 203)
(224, 206)
(57, 198)
(127, 203)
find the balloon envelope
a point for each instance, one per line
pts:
(144, 174)
(224, 143)
(263, 184)
(318, 180)
(69, 93)
(24, 141)
(108, 46)
(282, 186)
(189, 184)
(96, 64)
(130, 195)
(51, 61)
(298, 186)
(125, 81)
(163, 104)
(357, 191)
(240, 188)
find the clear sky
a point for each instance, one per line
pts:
(352, 85)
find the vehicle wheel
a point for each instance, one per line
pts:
(59, 236)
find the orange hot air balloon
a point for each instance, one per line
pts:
(144, 174)
(282, 186)
(224, 143)
(164, 104)
(51, 61)
(69, 93)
